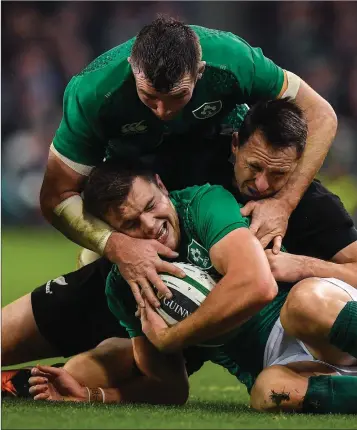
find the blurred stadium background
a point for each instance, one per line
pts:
(45, 43)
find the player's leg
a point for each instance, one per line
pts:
(323, 314)
(111, 362)
(308, 387)
(21, 339)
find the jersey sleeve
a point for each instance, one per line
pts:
(320, 226)
(216, 213)
(78, 137)
(122, 304)
(258, 77)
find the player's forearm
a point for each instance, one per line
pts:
(322, 126)
(81, 227)
(313, 267)
(227, 307)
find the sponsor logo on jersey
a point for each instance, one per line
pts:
(60, 281)
(134, 128)
(198, 255)
(208, 109)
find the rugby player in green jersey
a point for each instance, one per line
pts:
(162, 97)
(277, 369)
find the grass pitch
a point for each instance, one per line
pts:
(217, 400)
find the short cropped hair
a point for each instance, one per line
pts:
(281, 121)
(109, 184)
(164, 51)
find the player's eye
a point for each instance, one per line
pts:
(150, 206)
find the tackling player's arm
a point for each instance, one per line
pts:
(259, 78)
(322, 126)
(163, 378)
(292, 268)
(78, 146)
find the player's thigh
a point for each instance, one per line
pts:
(110, 363)
(21, 339)
(283, 388)
(310, 311)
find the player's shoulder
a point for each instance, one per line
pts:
(319, 199)
(105, 75)
(319, 206)
(221, 48)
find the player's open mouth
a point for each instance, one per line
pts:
(163, 233)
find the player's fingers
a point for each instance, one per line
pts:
(277, 244)
(37, 389)
(135, 289)
(166, 267)
(148, 292)
(54, 371)
(254, 226)
(148, 310)
(36, 372)
(165, 251)
(35, 380)
(266, 239)
(159, 284)
(247, 209)
(42, 396)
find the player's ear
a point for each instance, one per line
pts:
(161, 185)
(201, 69)
(234, 143)
(129, 60)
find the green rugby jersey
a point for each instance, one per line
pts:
(104, 117)
(206, 214)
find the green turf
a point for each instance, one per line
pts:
(30, 258)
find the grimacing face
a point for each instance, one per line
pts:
(147, 213)
(167, 105)
(260, 170)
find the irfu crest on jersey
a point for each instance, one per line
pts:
(208, 109)
(198, 255)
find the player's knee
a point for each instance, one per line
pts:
(298, 315)
(276, 389)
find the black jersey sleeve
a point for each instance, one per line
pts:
(320, 226)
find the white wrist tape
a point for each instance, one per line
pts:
(293, 85)
(81, 227)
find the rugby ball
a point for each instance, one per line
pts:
(187, 293)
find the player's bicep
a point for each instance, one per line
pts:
(60, 182)
(239, 251)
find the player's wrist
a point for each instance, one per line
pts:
(116, 241)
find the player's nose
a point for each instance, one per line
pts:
(148, 224)
(261, 183)
(162, 110)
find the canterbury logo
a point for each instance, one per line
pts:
(134, 128)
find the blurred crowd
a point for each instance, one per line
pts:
(46, 43)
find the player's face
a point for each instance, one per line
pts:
(147, 213)
(165, 105)
(260, 170)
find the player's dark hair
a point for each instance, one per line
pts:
(164, 51)
(281, 121)
(109, 184)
